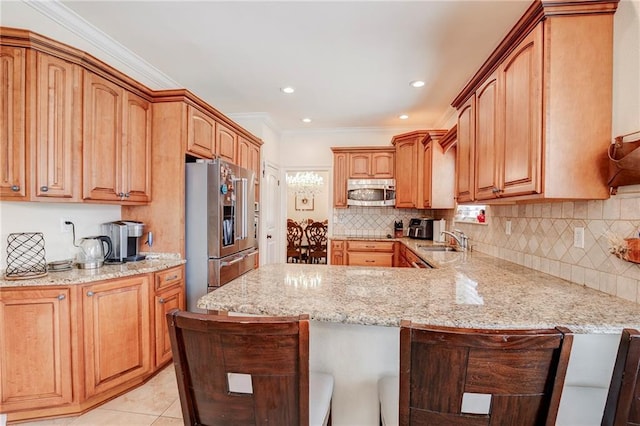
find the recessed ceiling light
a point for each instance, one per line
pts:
(403, 117)
(417, 83)
(288, 90)
(306, 120)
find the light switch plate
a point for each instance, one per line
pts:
(507, 229)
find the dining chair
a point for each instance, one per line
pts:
(469, 377)
(238, 370)
(294, 241)
(623, 400)
(316, 234)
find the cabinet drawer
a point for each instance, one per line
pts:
(386, 246)
(169, 277)
(369, 259)
(337, 245)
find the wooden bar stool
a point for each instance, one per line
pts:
(235, 370)
(469, 377)
(623, 401)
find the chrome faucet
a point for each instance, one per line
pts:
(461, 240)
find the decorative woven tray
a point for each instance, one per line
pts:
(25, 256)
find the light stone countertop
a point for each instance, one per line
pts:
(158, 262)
(470, 290)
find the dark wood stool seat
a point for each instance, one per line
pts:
(623, 401)
(469, 377)
(236, 370)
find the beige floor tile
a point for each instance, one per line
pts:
(63, 421)
(102, 417)
(168, 421)
(153, 398)
(174, 410)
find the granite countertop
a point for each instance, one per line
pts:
(466, 290)
(153, 263)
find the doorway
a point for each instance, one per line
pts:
(307, 192)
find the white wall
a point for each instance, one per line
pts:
(46, 218)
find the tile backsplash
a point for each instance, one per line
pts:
(542, 238)
(372, 221)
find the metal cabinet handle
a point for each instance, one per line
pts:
(370, 261)
(367, 246)
(61, 297)
(171, 278)
(44, 188)
(15, 188)
(127, 195)
(89, 293)
(268, 236)
(161, 300)
(120, 194)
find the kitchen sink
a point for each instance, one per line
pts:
(436, 248)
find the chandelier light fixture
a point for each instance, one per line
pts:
(305, 183)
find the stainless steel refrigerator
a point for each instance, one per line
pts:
(221, 238)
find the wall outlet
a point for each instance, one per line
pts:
(507, 229)
(64, 228)
(578, 237)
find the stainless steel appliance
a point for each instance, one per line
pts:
(92, 253)
(220, 228)
(371, 192)
(125, 237)
(421, 228)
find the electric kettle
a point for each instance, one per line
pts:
(91, 253)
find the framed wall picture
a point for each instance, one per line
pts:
(304, 202)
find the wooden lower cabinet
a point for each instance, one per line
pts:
(337, 252)
(169, 295)
(117, 332)
(35, 349)
(370, 253)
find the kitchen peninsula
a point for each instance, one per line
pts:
(356, 311)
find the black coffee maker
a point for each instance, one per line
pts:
(125, 238)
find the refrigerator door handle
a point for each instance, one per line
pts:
(245, 207)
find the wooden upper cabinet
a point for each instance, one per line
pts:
(242, 153)
(136, 151)
(487, 158)
(438, 173)
(102, 141)
(254, 164)
(226, 141)
(117, 143)
(35, 348)
(520, 138)
(58, 130)
(465, 151)
(13, 143)
(340, 177)
(541, 104)
(408, 174)
(117, 332)
(201, 133)
(371, 165)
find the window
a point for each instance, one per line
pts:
(470, 213)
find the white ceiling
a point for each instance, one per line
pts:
(350, 61)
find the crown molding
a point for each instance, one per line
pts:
(263, 117)
(107, 46)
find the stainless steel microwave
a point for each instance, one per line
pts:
(371, 192)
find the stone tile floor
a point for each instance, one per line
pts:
(155, 403)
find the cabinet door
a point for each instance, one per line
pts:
(102, 140)
(226, 140)
(337, 252)
(201, 133)
(382, 165)
(165, 301)
(136, 149)
(407, 172)
(487, 158)
(340, 180)
(359, 165)
(521, 141)
(116, 325)
(254, 164)
(58, 129)
(35, 349)
(242, 157)
(427, 172)
(12, 123)
(465, 151)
